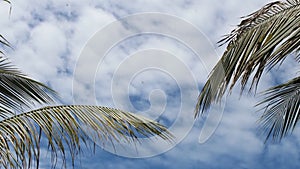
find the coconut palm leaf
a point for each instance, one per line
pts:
(64, 127)
(17, 91)
(262, 40)
(282, 109)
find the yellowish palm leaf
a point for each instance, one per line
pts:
(70, 125)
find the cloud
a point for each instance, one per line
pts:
(49, 36)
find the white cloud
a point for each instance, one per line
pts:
(48, 37)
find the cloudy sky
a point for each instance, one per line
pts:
(150, 58)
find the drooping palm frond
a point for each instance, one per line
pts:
(212, 91)
(262, 40)
(282, 109)
(17, 91)
(66, 126)
(62, 126)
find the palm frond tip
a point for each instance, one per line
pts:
(282, 109)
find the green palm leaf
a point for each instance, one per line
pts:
(262, 40)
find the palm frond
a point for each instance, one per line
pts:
(282, 109)
(262, 40)
(4, 42)
(212, 91)
(66, 126)
(18, 91)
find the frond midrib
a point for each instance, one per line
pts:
(51, 108)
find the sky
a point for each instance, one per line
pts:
(151, 58)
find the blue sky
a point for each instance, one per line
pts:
(156, 74)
